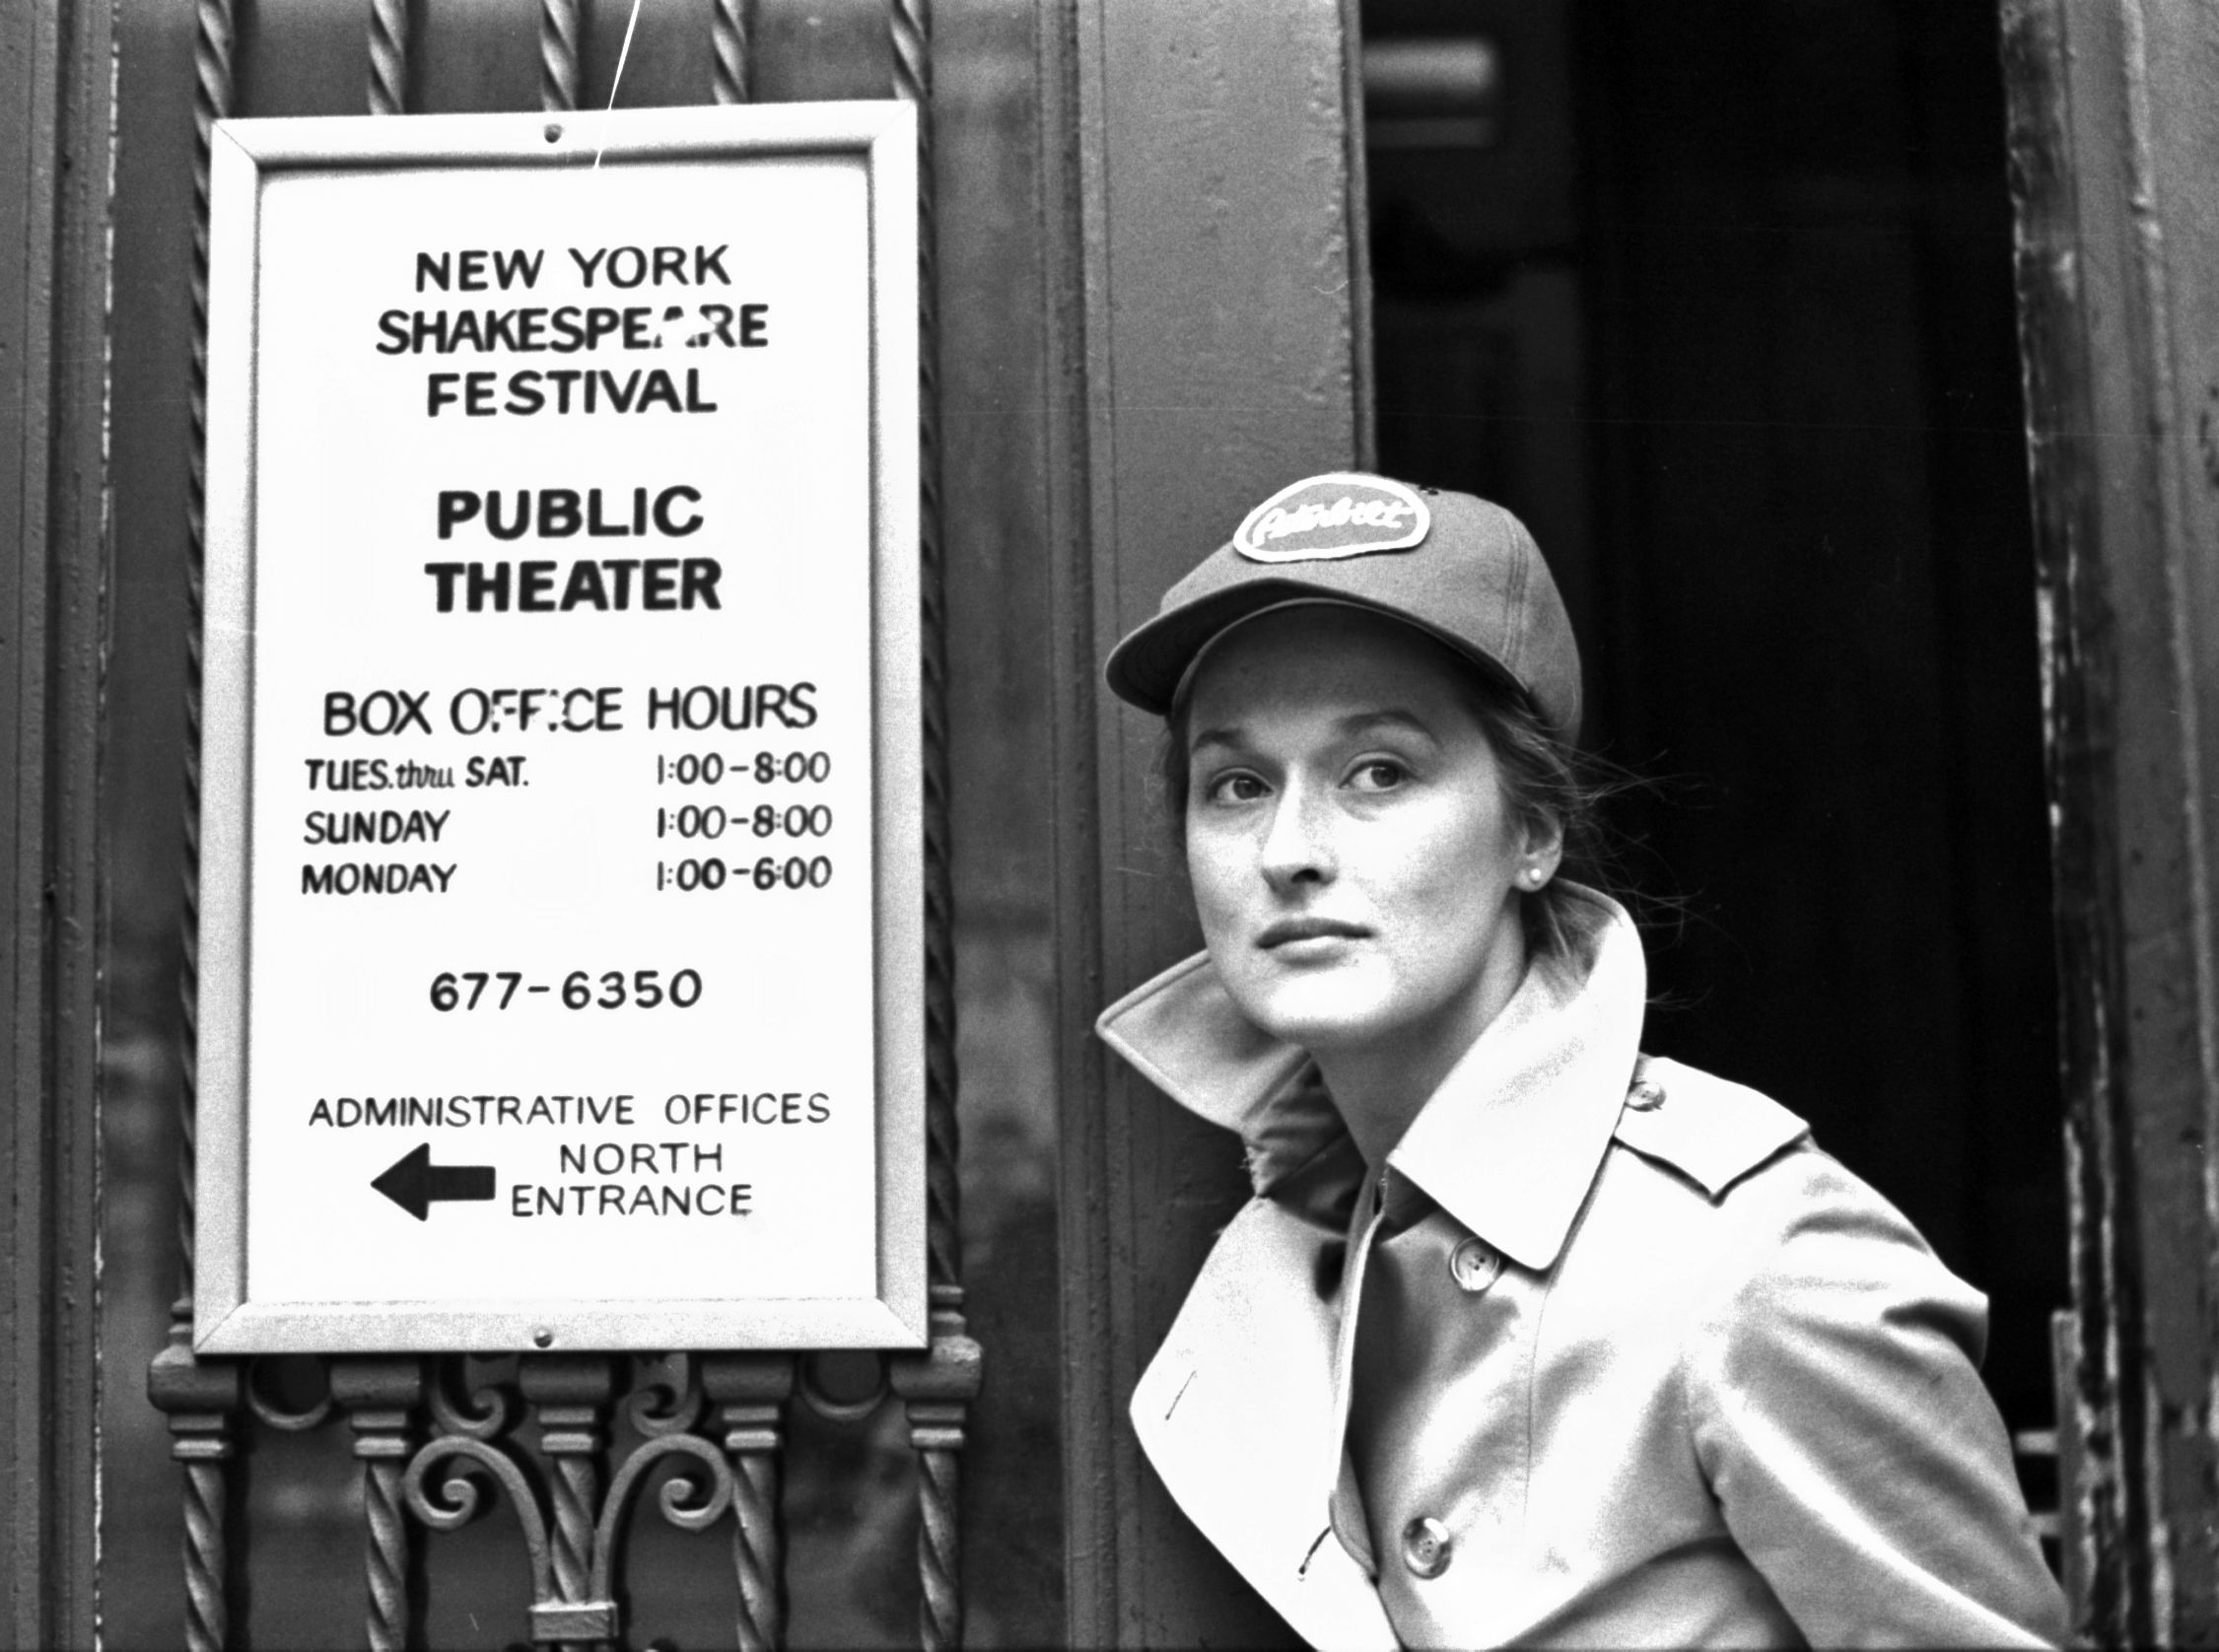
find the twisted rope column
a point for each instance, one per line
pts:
(211, 103)
(199, 1400)
(389, 56)
(384, 1553)
(569, 1394)
(207, 1610)
(938, 1386)
(750, 1392)
(381, 1398)
(728, 35)
(562, 26)
(912, 41)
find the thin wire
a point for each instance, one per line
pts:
(623, 56)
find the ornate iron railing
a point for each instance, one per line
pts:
(438, 1439)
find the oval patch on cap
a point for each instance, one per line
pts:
(1337, 515)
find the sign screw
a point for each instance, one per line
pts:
(542, 1338)
(554, 132)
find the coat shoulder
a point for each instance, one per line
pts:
(1711, 1129)
(1765, 1217)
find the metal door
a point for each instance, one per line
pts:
(1106, 391)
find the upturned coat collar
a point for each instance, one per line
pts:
(1510, 1142)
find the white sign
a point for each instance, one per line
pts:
(562, 925)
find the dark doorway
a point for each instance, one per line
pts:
(1720, 298)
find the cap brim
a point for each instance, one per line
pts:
(1147, 668)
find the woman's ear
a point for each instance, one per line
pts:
(1543, 850)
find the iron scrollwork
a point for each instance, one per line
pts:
(463, 1500)
(272, 1408)
(483, 1411)
(682, 1499)
(573, 1578)
(666, 1397)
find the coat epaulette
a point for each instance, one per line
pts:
(1711, 1129)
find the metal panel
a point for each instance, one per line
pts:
(304, 57)
(2113, 134)
(54, 177)
(1221, 285)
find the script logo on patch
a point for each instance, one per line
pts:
(1333, 516)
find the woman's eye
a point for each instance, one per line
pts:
(1234, 788)
(1378, 774)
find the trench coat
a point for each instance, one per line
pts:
(1640, 1365)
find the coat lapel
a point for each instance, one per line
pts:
(1228, 1413)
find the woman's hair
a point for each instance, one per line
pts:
(1544, 778)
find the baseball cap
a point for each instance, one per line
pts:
(1458, 568)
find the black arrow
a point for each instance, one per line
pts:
(414, 1181)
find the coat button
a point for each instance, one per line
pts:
(1476, 1264)
(1425, 1546)
(1645, 1098)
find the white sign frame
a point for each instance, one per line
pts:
(245, 155)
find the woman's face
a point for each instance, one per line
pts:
(1355, 860)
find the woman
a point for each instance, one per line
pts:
(1527, 1337)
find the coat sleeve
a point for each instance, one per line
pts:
(1839, 1418)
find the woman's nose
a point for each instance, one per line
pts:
(1298, 844)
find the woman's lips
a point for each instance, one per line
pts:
(1289, 931)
